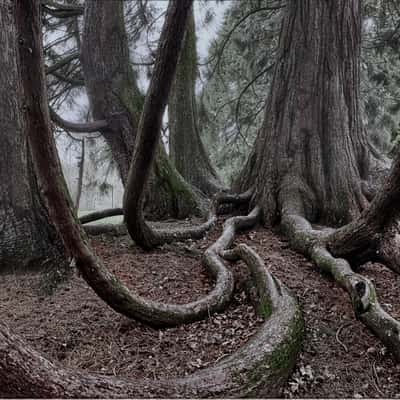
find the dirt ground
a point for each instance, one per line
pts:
(340, 358)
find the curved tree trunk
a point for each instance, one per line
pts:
(312, 142)
(186, 148)
(115, 97)
(45, 157)
(148, 138)
(259, 368)
(27, 237)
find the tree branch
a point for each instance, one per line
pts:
(64, 61)
(78, 127)
(59, 10)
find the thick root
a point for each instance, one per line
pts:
(151, 237)
(95, 216)
(258, 369)
(312, 243)
(105, 229)
(226, 201)
(121, 299)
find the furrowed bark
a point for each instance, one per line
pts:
(312, 130)
(27, 237)
(375, 235)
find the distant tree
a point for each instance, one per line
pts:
(115, 98)
(185, 143)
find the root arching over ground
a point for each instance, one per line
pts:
(259, 368)
(371, 237)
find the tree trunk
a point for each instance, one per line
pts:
(115, 97)
(375, 235)
(81, 170)
(311, 156)
(27, 237)
(186, 148)
(311, 151)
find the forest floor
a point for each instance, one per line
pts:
(340, 358)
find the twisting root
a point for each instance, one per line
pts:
(159, 236)
(258, 369)
(121, 299)
(162, 236)
(312, 243)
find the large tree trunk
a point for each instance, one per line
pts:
(27, 237)
(257, 369)
(186, 148)
(311, 156)
(312, 144)
(115, 97)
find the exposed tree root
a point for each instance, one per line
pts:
(258, 369)
(107, 229)
(95, 216)
(122, 300)
(235, 198)
(313, 243)
(149, 237)
(227, 201)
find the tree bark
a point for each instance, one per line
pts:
(149, 132)
(311, 156)
(106, 285)
(312, 141)
(186, 148)
(81, 170)
(115, 97)
(27, 237)
(375, 234)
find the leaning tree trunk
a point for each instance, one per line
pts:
(186, 148)
(27, 237)
(312, 145)
(115, 97)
